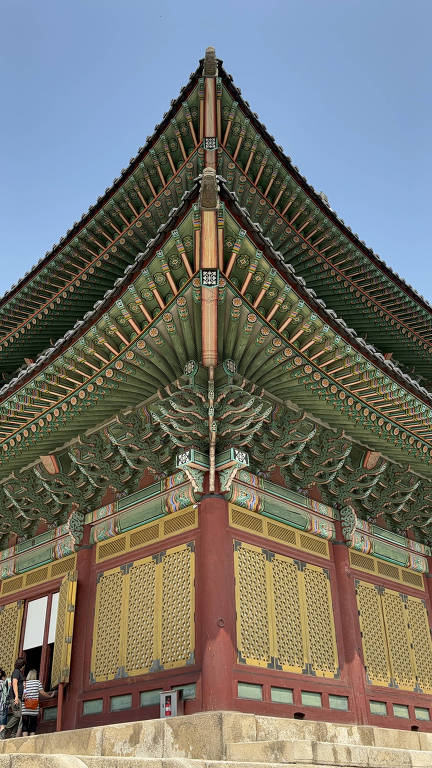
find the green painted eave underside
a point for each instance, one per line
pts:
(373, 303)
(138, 366)
(50, 302)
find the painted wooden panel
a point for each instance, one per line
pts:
(64, 630)
(398, 639)
(421, 642)
(284, 613)
(176, 615)
(373, 634)
(252, 601)
(396, 636)
(10, 631)
(144, 619)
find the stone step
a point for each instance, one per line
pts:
(271, 754)
(282, 728)
(320, 753)
(29, 760)
(204, 736)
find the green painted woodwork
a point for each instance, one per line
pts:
(378, 708)
(311, 699)
(250, 691)
(338, 702)
(295, 388)
(272, 367)
(421, 713)
(300, 224)
(150, 698)
(92, 706)
(97, 250)
(282, 695)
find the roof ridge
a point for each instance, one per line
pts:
(102, 199)
(320, 199)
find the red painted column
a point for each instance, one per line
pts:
(215, 618)
(352, 644)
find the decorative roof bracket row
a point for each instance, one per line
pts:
(145, 193)
(311, 213)
(310, 334)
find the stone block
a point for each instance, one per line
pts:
(237, 726)
(45, 761)
(143, 738)
(398, 739)
(98, 761)
(425, 740)
(271, 751)
(197, 737)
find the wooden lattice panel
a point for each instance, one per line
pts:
(177, 522)
(397, 643)
(39, 575)
(322, 652)
(10, 630)
(289, 629)
(284, 613)
(177, 608)
(369, 564)
(398, 639)
(107, 655)
(140, 635)
(373, 634)
(252, 600)
(144, 616)
(421, 642)
(253, 522)
(64, 630)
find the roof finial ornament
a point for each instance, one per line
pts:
(209, 189)
(210, 63)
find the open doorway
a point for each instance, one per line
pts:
(39, 627)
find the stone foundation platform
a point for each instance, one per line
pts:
(221, 740)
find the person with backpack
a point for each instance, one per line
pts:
(33, 688)
(4, 701)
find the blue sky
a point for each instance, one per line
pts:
(343, 85)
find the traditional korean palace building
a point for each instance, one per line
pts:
(216, 445)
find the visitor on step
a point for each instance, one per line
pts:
(4, 702)
(13, 725)
(30, 705)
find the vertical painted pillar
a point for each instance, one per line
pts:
(209, 263)
(351, 637)
(210, 110)
(215, 617)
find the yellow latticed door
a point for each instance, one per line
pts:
(253, 598)
(145, 615)
(141, 634)
(109, 623)
(373, 633)
(64, 630)
(177, 607)
(10, 632)
(289, 628)
(322, 652)
(284, 613)
(421, 642)
(398, 639)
